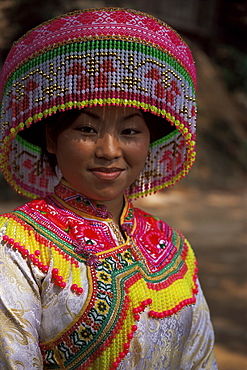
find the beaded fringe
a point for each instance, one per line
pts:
(98, 72)
(39, 251)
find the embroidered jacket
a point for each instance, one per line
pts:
(78, 293)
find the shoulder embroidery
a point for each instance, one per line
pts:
(38, 244)
(156, 272)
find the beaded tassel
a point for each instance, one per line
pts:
(22, 239)
(40, 252)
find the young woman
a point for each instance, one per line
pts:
(98, 108)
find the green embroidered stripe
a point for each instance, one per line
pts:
(27, 144)
(165, 138)
(151, 277)
(65, 246)
(158, 276)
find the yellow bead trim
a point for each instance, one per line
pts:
(41, 252)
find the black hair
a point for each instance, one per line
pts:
(158, 126)
(36, 133)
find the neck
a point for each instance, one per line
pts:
(115, 207)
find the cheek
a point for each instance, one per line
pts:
(142, 149)
(139, 155)
(69, 152)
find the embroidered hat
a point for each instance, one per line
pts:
(106, 56)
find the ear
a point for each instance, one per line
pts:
(50, 142)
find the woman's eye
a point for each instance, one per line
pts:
(130, 131)
(87, 130)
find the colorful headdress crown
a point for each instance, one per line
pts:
(108, 56)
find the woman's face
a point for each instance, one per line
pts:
(103, 151)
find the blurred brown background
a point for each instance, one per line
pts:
(210, 205)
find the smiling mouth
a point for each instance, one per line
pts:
(107, 173)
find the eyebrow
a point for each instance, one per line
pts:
(93, 115)
(132, 115)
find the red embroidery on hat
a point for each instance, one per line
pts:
(154, 74)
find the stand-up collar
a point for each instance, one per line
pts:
(79, 203)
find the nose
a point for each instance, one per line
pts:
(108, 147)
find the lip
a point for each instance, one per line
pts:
(104, 173)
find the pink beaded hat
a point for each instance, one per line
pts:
(108, 56)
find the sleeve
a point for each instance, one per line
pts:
(198, 352)
(20, 311)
